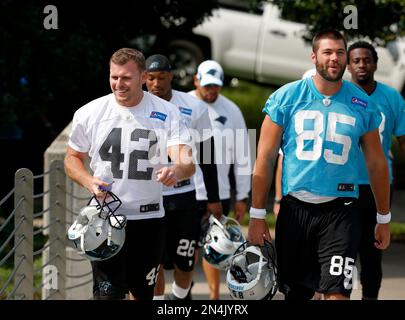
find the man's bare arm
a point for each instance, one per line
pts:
(269, 142)
(377, 167)
(183, 165)
(76, 170)
(267, 150)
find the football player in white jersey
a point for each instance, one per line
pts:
(133, 132)
(320, 124)
(232, 152)
(362, 63)
(180, 200)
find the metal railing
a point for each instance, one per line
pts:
(35, 244)
(38, 260)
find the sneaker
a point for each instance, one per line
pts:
(171, 296)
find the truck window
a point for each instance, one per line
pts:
(242, 5)
(291, 16)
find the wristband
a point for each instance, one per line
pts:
(257, 213)
(383, 218)
(277, 200)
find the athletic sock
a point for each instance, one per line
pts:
(178, 291)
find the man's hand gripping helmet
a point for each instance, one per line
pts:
(221, 241)
(98, 233)
(253, 272)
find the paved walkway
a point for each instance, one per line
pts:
(393, 284)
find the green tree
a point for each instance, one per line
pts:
(379, 20)
(46, 74)
(44, 68)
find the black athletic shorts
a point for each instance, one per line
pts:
(182, 230)
(316, 246)
(203, 217)
(134, 269)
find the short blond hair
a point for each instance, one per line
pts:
(123, 55)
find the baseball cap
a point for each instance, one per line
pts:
(210, 72)
(158, 62)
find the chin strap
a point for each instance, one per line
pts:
(109, 236)
(82, 244)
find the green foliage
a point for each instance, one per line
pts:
(397, 231)
(48, 74)
(5, 273)
(379, 20)
(7, 268)
(251, 99)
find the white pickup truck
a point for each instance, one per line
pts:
(258, 44)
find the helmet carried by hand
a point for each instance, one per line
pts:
(98, 233)
(252, 274)
(221, 241)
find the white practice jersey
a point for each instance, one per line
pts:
(195, 114)
(134, 141)
(231, 147)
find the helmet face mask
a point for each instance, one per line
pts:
(98, 233)
(221, 241)
(252, 274)
(107, 209)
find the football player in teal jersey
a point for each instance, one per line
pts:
(322, 125)
(362, 63)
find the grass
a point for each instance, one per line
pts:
(7, 268)
(5, 273)
(250, 97)
(397, 231)
(271, 221)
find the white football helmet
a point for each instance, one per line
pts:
(221, 241)
(252, 274)
(98, 233)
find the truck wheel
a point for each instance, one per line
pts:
(185, 57)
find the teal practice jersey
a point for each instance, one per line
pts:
(321, 136)
(391, 106)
